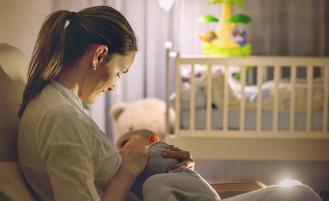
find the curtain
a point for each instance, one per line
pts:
(326, 27)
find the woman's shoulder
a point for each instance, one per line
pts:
(51, 102)
(48, 108)
(51, 108)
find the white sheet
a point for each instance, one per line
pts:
(250, 120)
(251, 93)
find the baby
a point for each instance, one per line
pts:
(155, 182)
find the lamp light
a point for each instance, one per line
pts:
(166, 4)
(286, 183)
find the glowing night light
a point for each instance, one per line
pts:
(286, 183)
(168, 45)
(166, 4)
(172, 54)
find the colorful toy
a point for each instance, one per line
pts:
(229, 39)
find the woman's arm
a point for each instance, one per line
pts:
(69, 161)
(133, 163)
(119, 186)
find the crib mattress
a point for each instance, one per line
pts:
(250, 120)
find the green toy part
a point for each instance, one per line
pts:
(207, 19)
(239, 18)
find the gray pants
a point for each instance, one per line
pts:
(188, 186)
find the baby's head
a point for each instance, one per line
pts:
(138, 139)
(146, 139)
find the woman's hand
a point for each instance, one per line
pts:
(184, 157)
(134, 160)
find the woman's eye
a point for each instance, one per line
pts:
(123, 143)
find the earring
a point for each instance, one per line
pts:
(94, 66)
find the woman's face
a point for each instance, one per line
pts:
(105, 75)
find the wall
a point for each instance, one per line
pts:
(20, 22)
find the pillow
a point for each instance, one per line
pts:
(12, 185)
(13, 70)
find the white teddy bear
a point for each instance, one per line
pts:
(147, 113)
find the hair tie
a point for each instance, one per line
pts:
(71, 16)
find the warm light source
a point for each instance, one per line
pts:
(166, 4)
(172, 54)
(289, 183)
(168, 45)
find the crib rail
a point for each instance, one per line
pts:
(260, 63)
(258, 143)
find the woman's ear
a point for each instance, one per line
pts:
(98, 54)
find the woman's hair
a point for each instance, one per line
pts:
(65, 36)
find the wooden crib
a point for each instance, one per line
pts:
(285, 137)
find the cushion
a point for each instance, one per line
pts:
(13, 70)
(12, 185)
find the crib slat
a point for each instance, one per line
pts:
(292, 98)
(168, 47)
(243, 70)
(192, 98)
(178, 91)
(209, 95)
(276, 97)
(259, 97)
(225, 109)
(309, 97)
(326, 98)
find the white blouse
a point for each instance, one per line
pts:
(63, 154)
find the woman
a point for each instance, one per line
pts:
(62, 153)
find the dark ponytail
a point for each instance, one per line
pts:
(65, 36)
(47, 56)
